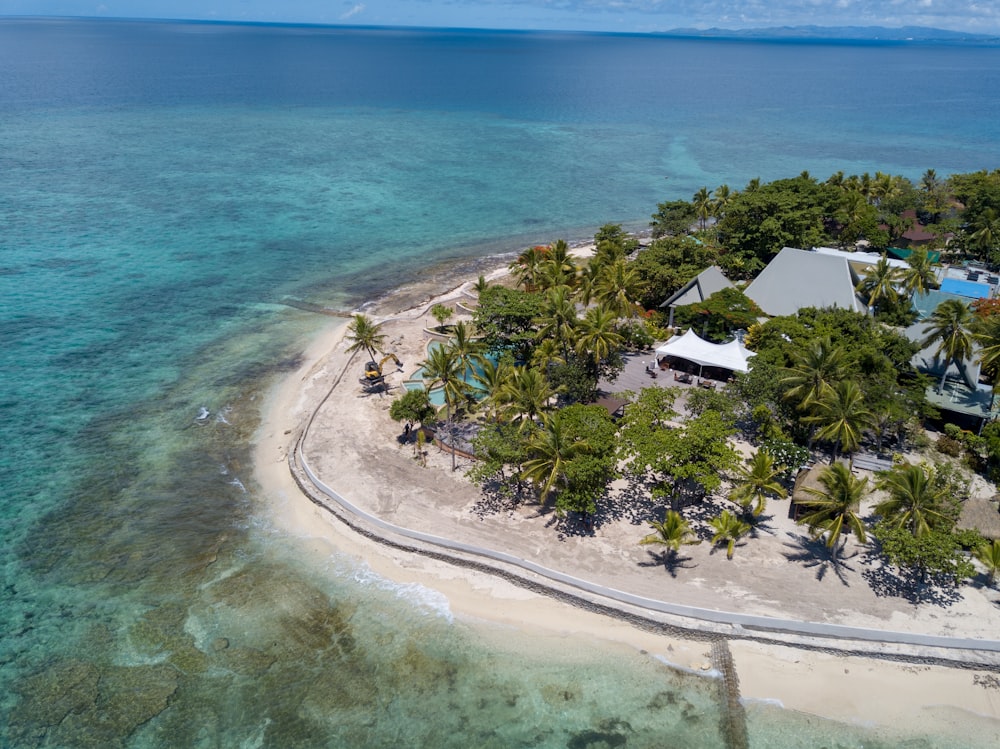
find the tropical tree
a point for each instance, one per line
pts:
(841, 416)
(984, 238)
(673, 532)
(815, 368)
(442, 313)
(949, 326)
(470, 352)
(526, 267)
(918, 276)
(559, 320)
(729, 529)
(491, 379)
(989, 554)
(557, 267)
(755, 480)
(443, 368)
(598, 340)
(835, 506)
(551, 448)
(986, 333)
(365, 334)
(703, 205)
(879, 282)
(722, 197)
(617, 288)
(526, 394)
(915, 500)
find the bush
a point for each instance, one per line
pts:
(948, 446)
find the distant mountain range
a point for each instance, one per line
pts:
(846, 33)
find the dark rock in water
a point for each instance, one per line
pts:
(74, 703)
(220, 643)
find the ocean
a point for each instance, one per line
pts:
(169, 192)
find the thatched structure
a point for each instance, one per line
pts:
(807, 478)
(980, 514)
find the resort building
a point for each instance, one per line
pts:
(795, 279)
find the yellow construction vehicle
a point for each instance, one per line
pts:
(374, 375)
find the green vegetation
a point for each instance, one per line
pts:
(824, 382)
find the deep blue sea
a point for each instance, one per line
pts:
(167, 188)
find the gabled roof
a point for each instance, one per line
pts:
(699, 288)
(795, 279)
(733, 355)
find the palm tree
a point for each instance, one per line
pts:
(919, 276)
(617, 288)
(985, 236)
(673, 533)
(914, 501)
(526, 393)
(949, 326)
(702, 205)
(527, 266)
(470, 352)
(598, 339)
(723, 197)
(755, 481)
(987, 334)
(879, 282)
(558, 319)
(841, 415)
(365, 333)
(836, 505)
(492, 378)
(753, 185)
(728, 530)
(814, 370)
(552, 450)
(557, 268)
(443, 368)
(989, 554)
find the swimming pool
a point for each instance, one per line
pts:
(416, 380)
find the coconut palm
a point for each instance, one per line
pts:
(546, 353)
(755, 480)
(949, 327)
(558, 320)
(492, 378)
(557, 267)
(814, 370)
(987, 334)
(918, 276)
(598, 338)
(551, 449)
(723, 197)
(914, 502)
(702, 205)
(835, 506)
(728, 530)
(617, 288)
(841, 415)
(989, 554)
(673, 533)
(470, 352)
(365, 333)
(985, 232)
(443, 368)
(879, 282)
(526, 393)
(526, 268)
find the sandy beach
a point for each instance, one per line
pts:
(352, 444)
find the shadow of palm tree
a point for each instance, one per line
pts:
(813, 552)
(670, 560)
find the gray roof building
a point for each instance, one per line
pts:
(795, 279)
(698, 289)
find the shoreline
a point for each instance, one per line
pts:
(769, 673)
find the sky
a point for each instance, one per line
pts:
(980, 16)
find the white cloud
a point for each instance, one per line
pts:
(350, 13)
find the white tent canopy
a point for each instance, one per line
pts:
(732, 355)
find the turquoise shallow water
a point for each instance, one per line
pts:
(165, 189)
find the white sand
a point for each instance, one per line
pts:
(870, 691)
